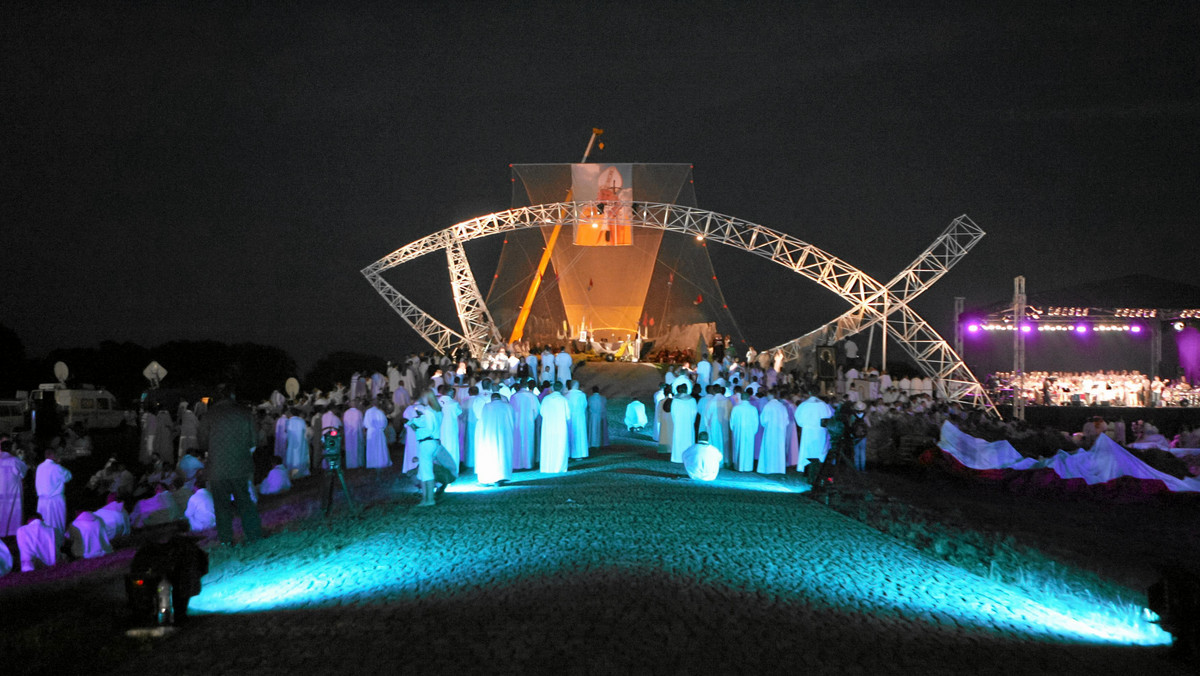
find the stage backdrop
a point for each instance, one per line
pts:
(606, 276)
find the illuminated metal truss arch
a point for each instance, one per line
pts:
(870, 301)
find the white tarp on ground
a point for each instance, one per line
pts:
(1106, 460)
(980, 454)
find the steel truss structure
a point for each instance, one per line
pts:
(870, 301)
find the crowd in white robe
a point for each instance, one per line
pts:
(753, 428)
(494, 422)
(1092, 388)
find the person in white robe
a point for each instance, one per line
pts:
(426, 425)
(296, 456)
(200, 513)
(663, 417)
(715, 420)
(38, 543)
(412, 447)
(771, 379)
(6, 560)
(88, 536)
(449, 431)
(337, 396)
(329, 419)
(481, 398)
(555, 413)
(531, 364)
(116, 519)
(50, 482)
(597, 419)
(702, 460)
(375, 422)
(793, 436)
(12, 480)
(659, 395)
(493, 457)
(772, 459)
(353, 437)
(411, 379)
(562, 366)
(704, 372)
(400, 398)
(149, 425)
(281, 435)
(702, 408)
(276, 481)
(577, 432)
(682, 381)
(743, 424)
(683, 422)
(547, 370)
(189, 430)
(525, 414)
(814, 439)
(393, 377)
(758, 399)
(635, 415)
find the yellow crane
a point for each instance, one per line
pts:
(519, 327)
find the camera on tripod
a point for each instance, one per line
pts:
(331, 453)
(331, 443)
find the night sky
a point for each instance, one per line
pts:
(196, 171)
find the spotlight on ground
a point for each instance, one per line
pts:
(1175, 599)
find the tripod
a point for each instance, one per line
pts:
(331, 440)
(837, 457)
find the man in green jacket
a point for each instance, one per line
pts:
(229, 434)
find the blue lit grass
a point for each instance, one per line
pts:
(1073, 593)
(623, 517)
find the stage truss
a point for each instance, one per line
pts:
(871, 302)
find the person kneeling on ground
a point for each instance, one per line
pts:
(702, 460)
(277, 480)
(89, 537)
(201, 513)
(38, 544)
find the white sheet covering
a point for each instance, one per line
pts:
(1106, 460)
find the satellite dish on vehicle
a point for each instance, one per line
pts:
(154, 372)
(61, 371)
(292, 387)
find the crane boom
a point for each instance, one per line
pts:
(519, 326)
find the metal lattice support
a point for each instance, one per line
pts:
(871, 301)
(479, 331)
(950, 247)
(948, 368)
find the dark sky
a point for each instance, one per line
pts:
(188, 171)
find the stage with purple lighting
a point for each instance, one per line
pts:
(1129, 329)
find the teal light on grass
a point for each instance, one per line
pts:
(355, 574)
(411, 554)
